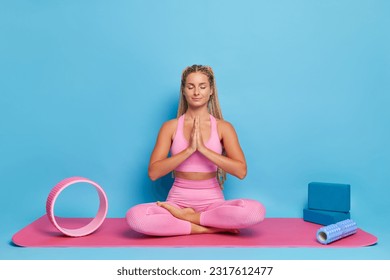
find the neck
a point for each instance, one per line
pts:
(203, 113)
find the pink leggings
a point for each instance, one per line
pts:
(205, 197)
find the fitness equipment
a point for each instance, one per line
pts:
(329, 196)
(323, 217)
(92, 225)
(333, 232)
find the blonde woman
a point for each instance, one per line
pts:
(199, 147)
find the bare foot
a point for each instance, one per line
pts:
(186, 214)
(189, 214)
(197, 229)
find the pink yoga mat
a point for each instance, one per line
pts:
(114, 232)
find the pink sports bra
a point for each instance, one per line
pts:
(196, 162)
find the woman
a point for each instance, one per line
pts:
(203, 148)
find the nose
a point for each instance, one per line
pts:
(197, 91)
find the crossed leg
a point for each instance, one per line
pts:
(162, 220)
(168, 219)
(189, 215)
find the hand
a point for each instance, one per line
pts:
(196, 139)
(198, 135)
(193, 137)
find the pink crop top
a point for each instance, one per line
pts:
(196, 162)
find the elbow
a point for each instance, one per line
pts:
(152, 174)
(242, 172)
(241, 176)
(153, 178)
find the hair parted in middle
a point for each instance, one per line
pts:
(212, 106)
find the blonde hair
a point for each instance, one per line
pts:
(212, 106)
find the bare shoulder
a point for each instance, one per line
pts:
(168, 128)
(171, 124)
(224, 125)
(225, 128)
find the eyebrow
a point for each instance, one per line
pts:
(199, 84)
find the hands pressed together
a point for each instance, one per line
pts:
(196, 139)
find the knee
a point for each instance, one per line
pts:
(145, 218)
(255, 211)
(261, 210)
(136, 216)
(132, 217)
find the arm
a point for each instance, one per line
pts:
(160, 164)
(234, 162)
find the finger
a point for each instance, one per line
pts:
(196, 136)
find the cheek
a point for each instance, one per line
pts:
(207, 92)
(185, 93)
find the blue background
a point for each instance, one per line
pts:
(86, 85)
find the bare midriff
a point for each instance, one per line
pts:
(195, 175)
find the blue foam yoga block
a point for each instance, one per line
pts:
(324, 217)
(329, 196)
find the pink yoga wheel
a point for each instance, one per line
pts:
(94, 224)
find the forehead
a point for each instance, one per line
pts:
(197, 78)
